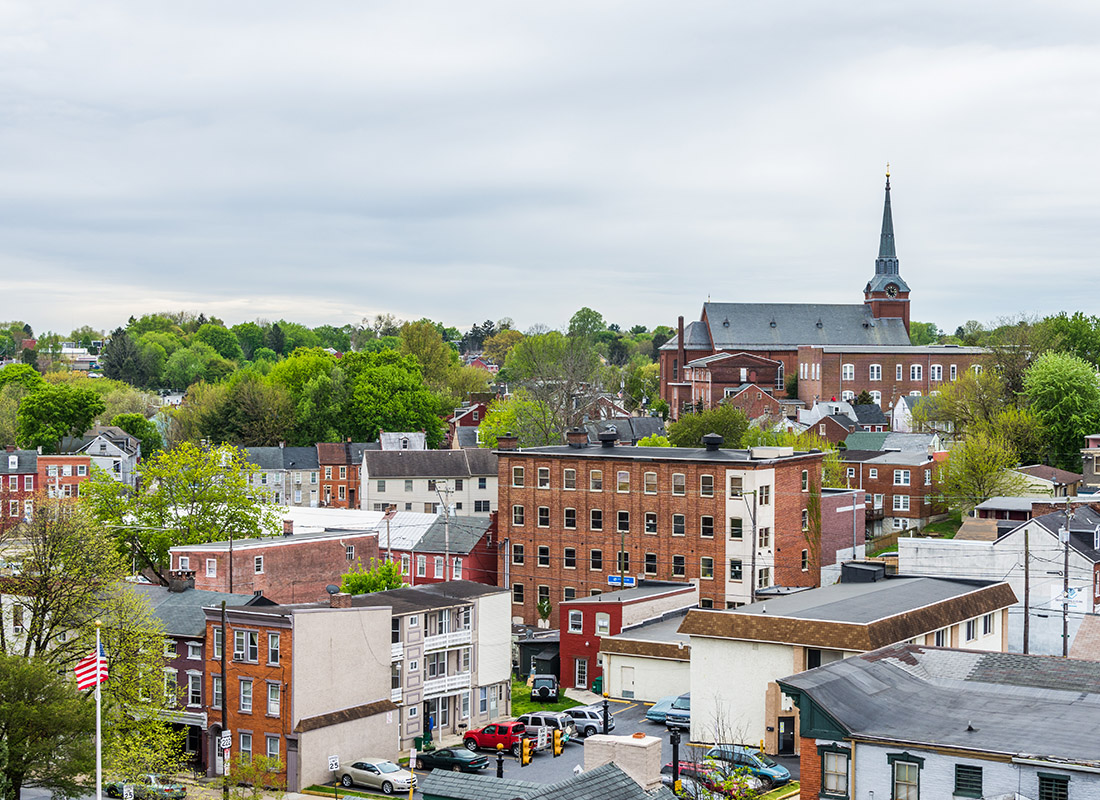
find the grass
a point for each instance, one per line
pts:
(523, 704)
(945, 529)
(348, 792)
(784, 790)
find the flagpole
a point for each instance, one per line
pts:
(98, 728)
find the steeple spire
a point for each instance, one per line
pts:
(887, 261)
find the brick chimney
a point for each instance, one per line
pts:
(9, 448)
(681, 353)
(508, 441)
(288, 527)
(180, 580)
(576, 437)
(340, 600)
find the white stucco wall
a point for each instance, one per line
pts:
(493, 628)
(395, 493)
(740, 591)
(374, 737)
(650, 608)
(654, 678)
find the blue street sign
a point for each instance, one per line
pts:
(628, 581)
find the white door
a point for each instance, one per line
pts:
(626, 678)
(580, 673)
(493, 702)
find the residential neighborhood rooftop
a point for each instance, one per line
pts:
(643, 590)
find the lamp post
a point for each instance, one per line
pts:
(500, 760)
(674, 739)
(605, 711)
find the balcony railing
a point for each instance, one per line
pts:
(452, 639)
(397, 651)
(397, 694)
(446, 683)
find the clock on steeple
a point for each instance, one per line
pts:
(887, 294)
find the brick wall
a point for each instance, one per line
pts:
(836, 525)
(585, 644)
(68, 472)
(809, 767)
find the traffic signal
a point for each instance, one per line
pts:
(559, 743)
(526, 752)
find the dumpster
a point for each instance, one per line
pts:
(597, 685)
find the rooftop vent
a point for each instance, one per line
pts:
(608, 438)
(713, 441)
(773, 323)
(820, 324)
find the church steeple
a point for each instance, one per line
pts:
(887, 293)
(887, 261)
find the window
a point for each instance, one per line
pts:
(246, 746)
(679, 484)
(343, 473)
(328, 473)
(622, 482)
(595, 520)
(194, 689)
(968, 780)
(544, 477)
(940, 637)
(517, 477)
(569, 519)
(595, 480)
(679, 566)
(349, 552)
(544, 596)
(899, 371)
(650, 563)
(764, 495)
(517, 592)
(971, 630)
(764, 578)
(272, 747)
(706, 486)
(381, 486)
(313, 478)
(603, 624)
(456, 571)
(679, 524)
(737, 530)
(517, 554)
(623, 561)
(901, 502)
(834, 771)
(764, 538)
(481, 507)
(482, 483)
(576, 622)
(954, 371)
(736, 569)
(706, 602)
(273, 696)
(901, 477)
(872, 472)
(805, 520)
(258, 565)
(987, 624)
(408, 486)
(544, 516)
(874, 372)
(246, 695)
(877, 397)
(706, 527)
(273, 648)
(437, 567)
(28, 483)
(570, 558)
(916, 372)
(246, 646)
(405, 564)
(185, 562)
(194, 651)
(706, 568)
(736, 485)
(341, 491)
(421, 566)
(216, 650)
(935, 372)
(217, 692)
(650, 483)
(595, 559)
(805, 480)
(906, 780)
(851, 472)
(1053, 787)
(805, 560)
(623, 525)
(848, 372)
(517, 516)
(543, 556)
(977, 369)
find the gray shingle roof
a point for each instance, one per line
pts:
(430, 463)
(870, 414)
(26, 462)
(800, 324)
(1081, 530)
(181, 612)
(695, 338)
(630, 429)
(466, 436)
(275, 458)
(1023, 705)
(606, 782)
(465, 533)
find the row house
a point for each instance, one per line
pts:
(433, 548)
(577, 520)
(463, 424)
(61, 475)
(286, 475)
(341, 466)
(301, 683)
(922, 723)
(754, 646)
(110, 448)
(426, 480)
(179, 607)
(450, 656)
(19, 482)
(902, 485)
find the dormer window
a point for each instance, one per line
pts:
(13, 462)
(404, 443)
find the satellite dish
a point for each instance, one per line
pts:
(332, 588)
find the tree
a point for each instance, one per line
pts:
(1014, 345)
(586, 323)
(437, 359)
(729, 422)
(520, 416)
(338, 339)
(250, 337)
(978, 468)
(221, 339)
(380, 576)
(253, 777)
(188, 495)
(971, 399)
(921, 333)
(122, 359)
(23, 374)
(390, 395)
(499, 345)
(865, 399)
(183, 368)
(137, 425)
(654, 440)
(661, 335)
(259, 414)
(52, 412)
(46, 726)
(642, 384)
(1065, 397)
(560, 374)
(276, 340)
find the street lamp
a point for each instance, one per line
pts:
(605, 711)
(674, 739)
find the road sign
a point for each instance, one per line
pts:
(226, 740)
(333, 763)
(127, 792)
(543, 740)
(225, 761)
(627, 580)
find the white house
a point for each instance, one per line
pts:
(423, 480)
(111, 449)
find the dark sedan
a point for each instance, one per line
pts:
(455, 759)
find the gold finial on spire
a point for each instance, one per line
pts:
(887, 169)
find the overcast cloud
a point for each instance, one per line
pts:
(326, 161)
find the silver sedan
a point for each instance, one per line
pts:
(376, 773)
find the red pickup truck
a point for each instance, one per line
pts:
(508, 734)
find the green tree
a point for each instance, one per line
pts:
(122, 359)
(259, 413)
(276, 339)
(380, 576)
(437, 359)
(250, 337)
(865, 399)
(922, 333)
(972, 399)
(52, 412)
(24, 375)
(520, 416)
(978, 468)
(188, 495)
(725, 420)
(654, 440)
(561, 374)
(137, 425)
(586, 323)
(390, 395)
(183, 368)
(499, 345)
(221, 339)
(253, 777)
(1065, 397)
(337, 338)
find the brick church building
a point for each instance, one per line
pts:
(837, 351)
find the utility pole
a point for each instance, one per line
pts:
(1027, 591)
(445, 499)
(225, 707)
(1065, 580)
(389, 550)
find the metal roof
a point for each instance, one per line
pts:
(430, 463)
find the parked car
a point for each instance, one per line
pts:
(544, 688)
(376, 773)
(754, 760)
(147, 787)
(709, 776)
(658, 710)
(689, 787)
(455, 759)
(589, 719)
(552, 720)
(508, 734)
(679, 713)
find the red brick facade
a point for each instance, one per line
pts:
(585, 643)
(18, 484)
(340, 474)
(898, 490)
(809, 768)
(61, 475)
(677, 529)
(756, 402)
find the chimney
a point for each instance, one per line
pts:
(9, 448)
(713, 441)
(508, 441)
(607, 438)
(340, 600)
(288, 527)
(180, 580)
(576, 437)
(680, 353)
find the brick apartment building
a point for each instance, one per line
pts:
(18, 483)
(574, 518)
(902, 484)
(61, 475)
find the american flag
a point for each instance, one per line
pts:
(85, 669)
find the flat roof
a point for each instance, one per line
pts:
(641, 591)
(666, 629)
(729, 456)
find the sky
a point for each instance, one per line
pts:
(328, 161)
